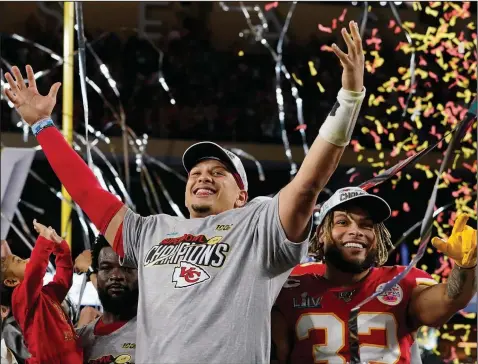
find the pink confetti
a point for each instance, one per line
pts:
(324, 29)
(301, 127)
(342, 16)
(406, 125)
(326, 48)
(406, 207)
(450, 178)
(270, 6)
(415, 185)
(402, 102)
(353, 176)
(469, 167)
(391, 24)
(394, 213)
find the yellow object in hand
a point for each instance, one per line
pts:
(461, 245)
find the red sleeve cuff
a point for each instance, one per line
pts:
(62, 248)
(45, 243)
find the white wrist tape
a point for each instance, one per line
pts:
(339, 125)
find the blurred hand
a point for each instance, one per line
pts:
(461, 245)
(354, 61)
(47, 232)
(87, 315)
(27, 100)
(83, 262)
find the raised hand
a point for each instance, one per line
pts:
(27, 100)
(47, 232)
(354, 61)
(461, 245)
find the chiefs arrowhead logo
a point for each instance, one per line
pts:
(188, 274)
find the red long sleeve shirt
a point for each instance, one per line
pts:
(49, 334)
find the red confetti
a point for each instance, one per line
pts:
(334, 23)
(394, 213)
(324, 29)
(376, 138)
(301, 127)
(270, 6)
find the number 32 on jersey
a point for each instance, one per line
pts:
(335, 333)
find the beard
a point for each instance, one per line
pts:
(334, 256)
(123, 305)
(201, 209)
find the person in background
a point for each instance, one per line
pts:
(37, 308)
(352, 242)
(111, 337)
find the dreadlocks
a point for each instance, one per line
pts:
(384, 242)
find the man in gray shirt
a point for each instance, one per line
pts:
(207, 284)
(111, 338)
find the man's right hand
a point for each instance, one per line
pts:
(83, 262)
(87, 315)
(27, 100)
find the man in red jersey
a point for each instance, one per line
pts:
(48, 332)
(310, 317)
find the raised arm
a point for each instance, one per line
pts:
(102, 207)
(434, 306)
(63, 279)
(298, 198)
(26, 294)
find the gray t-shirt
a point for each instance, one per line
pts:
(207, 285)
(117, 347)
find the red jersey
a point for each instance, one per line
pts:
(317, 313)
(49, 334)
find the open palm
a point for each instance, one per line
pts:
(353, 61)
(27, 100)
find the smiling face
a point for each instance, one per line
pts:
(212, 189)
(351, 245)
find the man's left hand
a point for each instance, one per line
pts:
(461, 245)
(353, 62)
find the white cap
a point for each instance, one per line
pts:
(16, 164)
(377, 207)
(209, 150)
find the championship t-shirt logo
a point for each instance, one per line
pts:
(189, 254)
(188, 274)
(110, 359)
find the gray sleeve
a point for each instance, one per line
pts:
(136, 229)
(277, 253)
